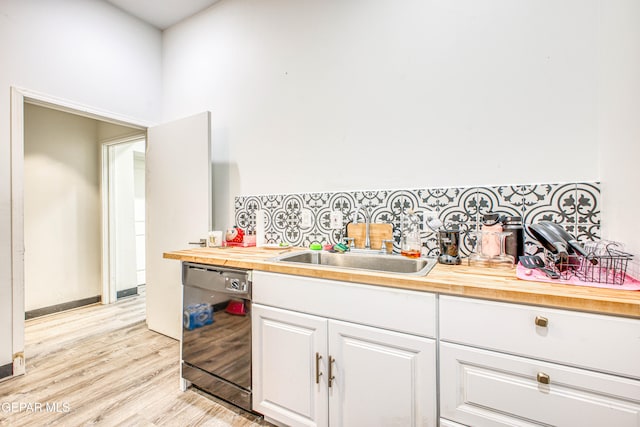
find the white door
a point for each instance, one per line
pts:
(382, 378)
(289, 366)
(178, 211)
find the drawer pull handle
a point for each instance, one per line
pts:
(543, 378)
(331, 376)
(318, 373)
(543, 322)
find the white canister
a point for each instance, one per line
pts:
(215, 239)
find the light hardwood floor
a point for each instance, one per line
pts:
(100, 365)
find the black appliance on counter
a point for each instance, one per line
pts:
(216, 332)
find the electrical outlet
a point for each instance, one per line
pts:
(335, 220)
(306, 219)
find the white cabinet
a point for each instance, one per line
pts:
(319, 370)
(380, 378)
(515, 365)
(604, 343)
(284, 347)
(487, 388)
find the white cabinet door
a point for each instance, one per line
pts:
(178, 211)
(382, 378)
(287, 347)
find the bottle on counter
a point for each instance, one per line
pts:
(411, 244)
(514, 242)
(491, 229)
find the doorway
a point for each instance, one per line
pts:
(107, 122)
(19, 100)
(62, 209)
(124, 191)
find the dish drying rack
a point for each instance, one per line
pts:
(605, 262)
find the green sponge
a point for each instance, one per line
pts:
(315, 247)
(340, 247)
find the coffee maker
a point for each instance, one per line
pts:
(449, 246)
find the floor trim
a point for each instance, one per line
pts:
(61, 307)
(6, 370)
(127, 292)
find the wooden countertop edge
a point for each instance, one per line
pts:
(447, 280)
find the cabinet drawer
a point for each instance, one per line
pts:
(481, 387)
(604, 343)
(388, 308)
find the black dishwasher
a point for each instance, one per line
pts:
(216, 332)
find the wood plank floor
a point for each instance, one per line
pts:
(100, 365)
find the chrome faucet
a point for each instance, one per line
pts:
(367, 220)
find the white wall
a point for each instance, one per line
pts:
(62, 208)
(374, 94)
(359, 94)
(85, 51)
(619, 121)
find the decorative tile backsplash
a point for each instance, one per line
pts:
(575, 206)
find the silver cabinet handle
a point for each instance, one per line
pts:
(202, 243)
(318, 373)
(331, 376)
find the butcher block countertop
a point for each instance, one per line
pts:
(488, 283)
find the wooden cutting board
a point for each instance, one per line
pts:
(377, 233)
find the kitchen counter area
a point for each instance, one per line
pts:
(461, 280)
(461, 342)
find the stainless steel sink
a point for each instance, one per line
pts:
(363, 261)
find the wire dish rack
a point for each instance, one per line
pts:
(605, 262)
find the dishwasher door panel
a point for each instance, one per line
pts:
(222, 348)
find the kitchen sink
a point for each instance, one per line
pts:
(362, 261)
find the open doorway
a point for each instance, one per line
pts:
(63, 187)
(106, 124)
(125, 198)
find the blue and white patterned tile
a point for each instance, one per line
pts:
(588, 211)
(505, 200)
(437, 200)
(555, 202)
(398, 204)
(315, 201)
(371, 199)
(343, 202)
(272, 202)
(512, 200)
(287, 219)
(460, 212)
(574, 206)
(548, 202)
(238, 202)
(246, 215)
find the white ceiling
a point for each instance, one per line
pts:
(162, 13)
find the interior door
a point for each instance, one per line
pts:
(178, 211)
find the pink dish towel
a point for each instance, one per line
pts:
(630, 284)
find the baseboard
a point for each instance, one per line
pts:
(127, 292)
(61, 307)
(6, 370)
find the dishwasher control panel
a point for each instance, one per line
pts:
(236, 284)
(217, 279)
